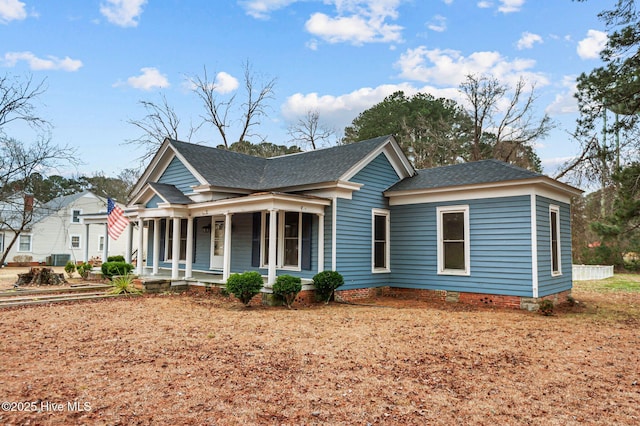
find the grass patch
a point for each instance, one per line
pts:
(619, 282)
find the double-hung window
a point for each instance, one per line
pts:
(380, 241)
(453, 240)
(75, 241)
(554, 224)
(183, 240)
(24, 243)
(288, 239)
(75, 216)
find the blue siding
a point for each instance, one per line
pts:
(548, 284)
(154, 201)
(500, 250)
(354, 225)
(178, 175)
(202, 244)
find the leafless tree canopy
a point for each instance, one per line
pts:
(218, 112)
(506, 133)
(17, 101)
(160, 122)
(309, 131)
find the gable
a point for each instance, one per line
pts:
(178, 175)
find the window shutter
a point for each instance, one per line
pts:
(307, 220)
(163, 237)
(255, 240)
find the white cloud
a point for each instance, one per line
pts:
(528, 40)
(357, 22)
(261, 9)
(590, 47)
(438, 23)
(12, 10)
(40, 64)
(565, 102)
(509, 6)
(225, 83)
(450, 68)
(150, 79)
(124, 13)
(485, 4)
(339, 111)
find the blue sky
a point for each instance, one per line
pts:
(339, 57)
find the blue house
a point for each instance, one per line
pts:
(483, 232)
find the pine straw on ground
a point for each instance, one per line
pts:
(196, 359)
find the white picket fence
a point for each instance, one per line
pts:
(591, 272)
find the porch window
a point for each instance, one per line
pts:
(453, 240)
(24, 243)
(289, 239)
(380, 241)
(554, 222)
(169, 240)
(100, 242)
(75, 241)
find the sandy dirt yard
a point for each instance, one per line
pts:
(200, 360)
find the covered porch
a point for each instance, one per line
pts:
(267, 232)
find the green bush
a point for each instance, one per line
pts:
(545, 307)
(109, 269)
(117, 258)
(244, 286)
(287, 287)
(70, 268)
(123, 284)
(84, 269)
(326, 283)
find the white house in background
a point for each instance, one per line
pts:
(72, 227)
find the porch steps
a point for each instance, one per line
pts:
(26, 297)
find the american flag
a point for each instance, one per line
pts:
(115, 220)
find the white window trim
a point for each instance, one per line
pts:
(100, 247)
(71, 242)
(280, 242)
(30, 243)
(72, 215)
(555, 209)
(387, 245)
(169, 228)
(467, 240)
(1, 242)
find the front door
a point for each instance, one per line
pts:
(217, 244)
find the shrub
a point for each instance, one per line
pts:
(123, 284)
(244, 286)
(287, 287)
(117, 258)
(545, 307)
(84, 269)
(109, 269)
(70, 268)
(326, 283)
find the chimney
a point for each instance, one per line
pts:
(28, 202)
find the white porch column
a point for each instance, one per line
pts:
(129, 251)
(273, 235)
(156, 246)
(86, 243)
(140, 258)
(226, 266)
(189, 265)
(175, 249)
(320, 242)
(105, 247)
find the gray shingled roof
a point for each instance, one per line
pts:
(234, 170)
(170, 193)
(477, 172)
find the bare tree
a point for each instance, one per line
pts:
(17, 101)
(160, 122)
(309, 131)
(19, 164)
(217, 111)
(508, 132)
